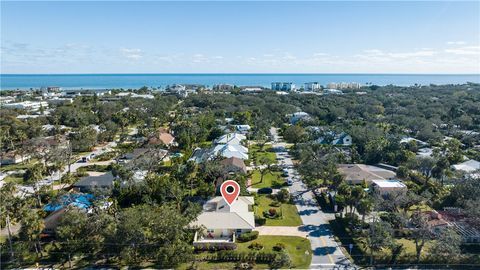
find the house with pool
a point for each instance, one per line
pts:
(221, 223)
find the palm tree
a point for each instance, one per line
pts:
(32, 226)
(365, 207)
(32, 176)
(7, 192)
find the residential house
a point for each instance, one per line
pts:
(342, 139)
(162, 137)
(13, 157)
(226, 146)
(468, 166)
(52, 221)
(456, 219)
(230, 138)
(358, 173)
(222, 223)
(386, 186)
(138, 153)
(298, 116)
(234, 165)
(418, 142)
(91, 183)
(229, 150)
(242, 128)
(330, 91)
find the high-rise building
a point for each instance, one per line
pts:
(312, 86)
(283, 86)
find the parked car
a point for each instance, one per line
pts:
(289, 182)
(265, 191)
(285, 172)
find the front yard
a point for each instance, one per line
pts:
(270, 179)
(258, 154)
(297, 248)
(289, 214)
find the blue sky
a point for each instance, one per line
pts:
(203, 37)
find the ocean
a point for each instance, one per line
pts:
(126, 81)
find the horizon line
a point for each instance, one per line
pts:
(240, 73)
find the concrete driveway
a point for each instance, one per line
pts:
(281, 230)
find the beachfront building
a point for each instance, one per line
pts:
(344, 85)
(283, 86)
(312, 86)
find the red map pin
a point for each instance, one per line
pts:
(230, 190)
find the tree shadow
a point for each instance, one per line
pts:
(307, 212)
(316, 230)
(324, 251)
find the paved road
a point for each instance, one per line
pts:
(27, 190)
(326, 253)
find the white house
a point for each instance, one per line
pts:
(468, 166)
(230, 150)
(27, 105)
(230, 138)
(336, 139)
(222, 223)
(386, 186)
(295, 117)
(243, 128)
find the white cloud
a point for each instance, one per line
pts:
(466, 50)
(132, 54)
(456, 43)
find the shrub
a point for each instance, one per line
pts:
(255, 246)
(260, 220)
(275, 204)
(279, 247)
(282, 260)
(283, 196)
(249, 236)
(272, 211)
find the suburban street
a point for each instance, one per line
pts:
(326, 252)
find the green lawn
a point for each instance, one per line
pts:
(16, 179)
(256, 154)
(289, 217)
(16, 167)
(273, 180)
(297, 247)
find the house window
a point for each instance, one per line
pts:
(238, 231)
